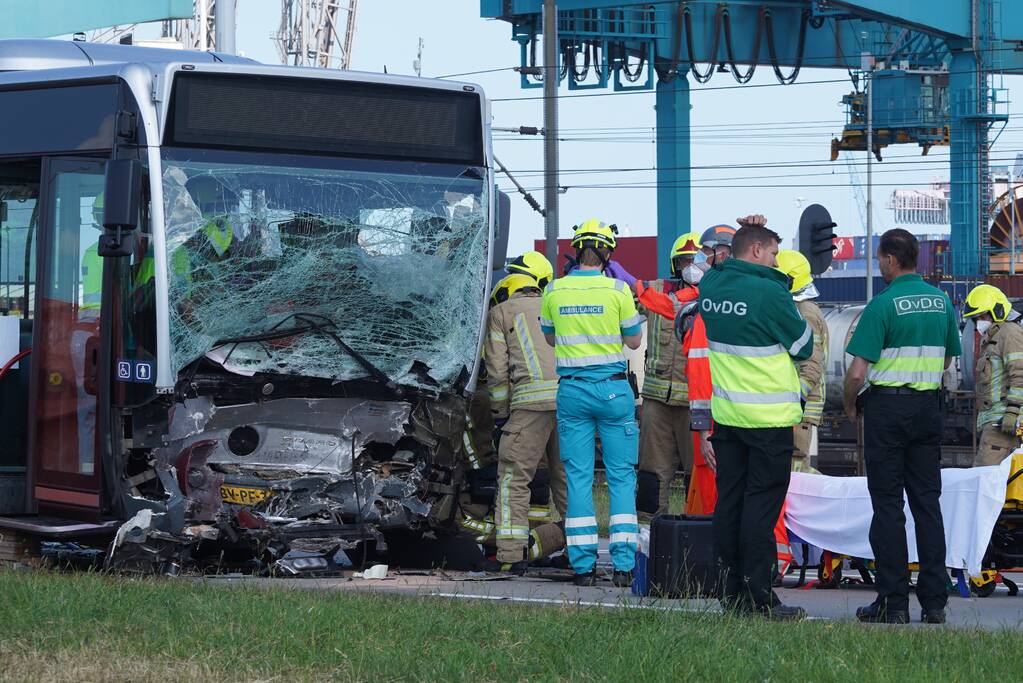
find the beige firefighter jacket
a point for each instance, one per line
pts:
(813, 370)
(520, 363)
(999, 373)
(665, 370)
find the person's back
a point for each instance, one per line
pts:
(904, 341)
(753, 331)
(588, 318)
(586, 310)
(754, 334)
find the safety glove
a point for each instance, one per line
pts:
(618, 272)
(1009, 421)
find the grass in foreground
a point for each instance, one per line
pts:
(87, 627)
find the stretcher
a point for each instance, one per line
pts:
(983, 526)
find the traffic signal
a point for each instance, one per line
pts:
(816, 237)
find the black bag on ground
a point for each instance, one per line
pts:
(682, 562)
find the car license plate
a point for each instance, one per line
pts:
(242, 495)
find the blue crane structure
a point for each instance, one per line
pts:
(932, 65)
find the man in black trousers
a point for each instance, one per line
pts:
(905, 339)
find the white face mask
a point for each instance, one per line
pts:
(693, 273)
(983, 326)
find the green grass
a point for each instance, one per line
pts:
(86, 627)
(602, 503)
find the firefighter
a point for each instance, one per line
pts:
(716, 244)
(999, 373)
(477, 502)
(754, 335)
(665, 442)
(588, 318)
(796, 268)
(905, 340)
(523, 387)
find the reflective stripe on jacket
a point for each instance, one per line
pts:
(665, 371)
(754, 333)
(588, 314)
(999, 373)
(519, 362)
(812, 371)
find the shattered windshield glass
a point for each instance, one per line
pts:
(325, 272)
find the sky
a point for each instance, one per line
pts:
(732, 125)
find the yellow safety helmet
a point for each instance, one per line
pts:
(987, 299)
(686, 245)
(594, 231)
(535, 265)
(793, 264)
(508, 285)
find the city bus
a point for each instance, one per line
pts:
(242, 304)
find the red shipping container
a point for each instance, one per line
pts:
(844, 250)
(637, 254)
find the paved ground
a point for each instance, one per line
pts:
(552, 587)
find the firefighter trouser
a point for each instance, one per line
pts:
(902, 451)
(665, 446)
(994, 446)
(584, 408)
(753, 478)
(527, 437)
(804, 458)
(478, 437)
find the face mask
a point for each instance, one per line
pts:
(983, 326)
(693, 273)
(700, 257)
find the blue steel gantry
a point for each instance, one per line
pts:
(932, 64)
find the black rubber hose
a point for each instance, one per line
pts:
(633, 76)
(800, 46)
(703, 78)
(730, 53)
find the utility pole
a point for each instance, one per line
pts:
(550, 123)
(224, 14)
(870, 179)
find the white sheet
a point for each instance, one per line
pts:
(835, 512)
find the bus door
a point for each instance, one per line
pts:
(63, 425)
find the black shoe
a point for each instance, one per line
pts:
(933, 616)
(587, 579)
(779, 612)
(876, 613)
(560, 562)
(622, 579)
(496, 567)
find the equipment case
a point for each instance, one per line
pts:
(682, 561)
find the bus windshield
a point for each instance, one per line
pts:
(325, 268)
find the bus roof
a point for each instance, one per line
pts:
(33, 55)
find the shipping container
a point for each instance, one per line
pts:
(1011, 285)
(933, 261)
(854, 289)
(637, 254)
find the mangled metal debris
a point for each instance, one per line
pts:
(300, 482)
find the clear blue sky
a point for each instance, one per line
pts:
(753, 125)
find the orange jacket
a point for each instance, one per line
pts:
(694, 346)
(703, 494)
